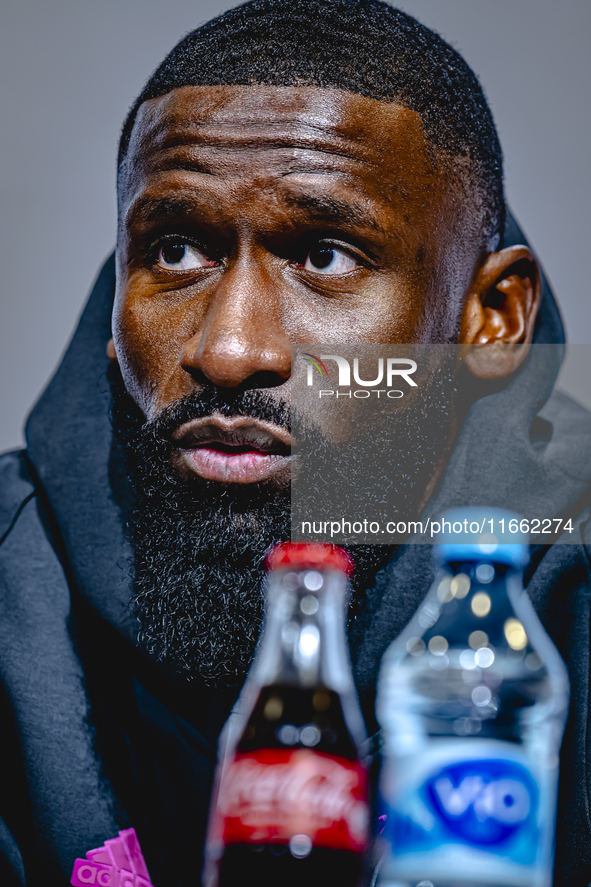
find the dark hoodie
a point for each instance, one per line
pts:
(96, 738)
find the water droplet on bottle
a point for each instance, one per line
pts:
(300, 846)
(309, 605)
(484, 657)
(481, 695)
(313, 580)
(481, 604)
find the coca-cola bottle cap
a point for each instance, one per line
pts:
(311, 555)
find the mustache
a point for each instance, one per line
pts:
(252, 403)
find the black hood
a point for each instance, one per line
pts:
(537, 448)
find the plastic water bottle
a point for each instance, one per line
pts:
(472, 701)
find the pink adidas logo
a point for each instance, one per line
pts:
(118, 863)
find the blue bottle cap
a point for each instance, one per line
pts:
(478, 533)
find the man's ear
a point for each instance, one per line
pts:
(500, 313)
(111, 353)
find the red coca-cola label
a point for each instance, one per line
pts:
(270, 795)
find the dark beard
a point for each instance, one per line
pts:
(199, 547)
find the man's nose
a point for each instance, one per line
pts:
(240, 340)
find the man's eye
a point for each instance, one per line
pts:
(329, 260)
(179, 256)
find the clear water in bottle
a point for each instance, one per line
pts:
(472, 700)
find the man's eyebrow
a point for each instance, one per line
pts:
(150, 209)
(336, 210)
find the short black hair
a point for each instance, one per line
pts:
(360, 46)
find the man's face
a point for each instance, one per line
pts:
(253, 218)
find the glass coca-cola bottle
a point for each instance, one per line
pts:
(290, 805)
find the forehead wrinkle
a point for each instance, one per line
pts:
(184, 117)
(161, 135)
(325, 111)
(175, 132)
(300, 161)
(185, 154)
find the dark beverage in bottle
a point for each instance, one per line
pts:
(291, 801)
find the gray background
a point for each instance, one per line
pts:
(71, 68)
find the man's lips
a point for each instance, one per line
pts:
(240, 450)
